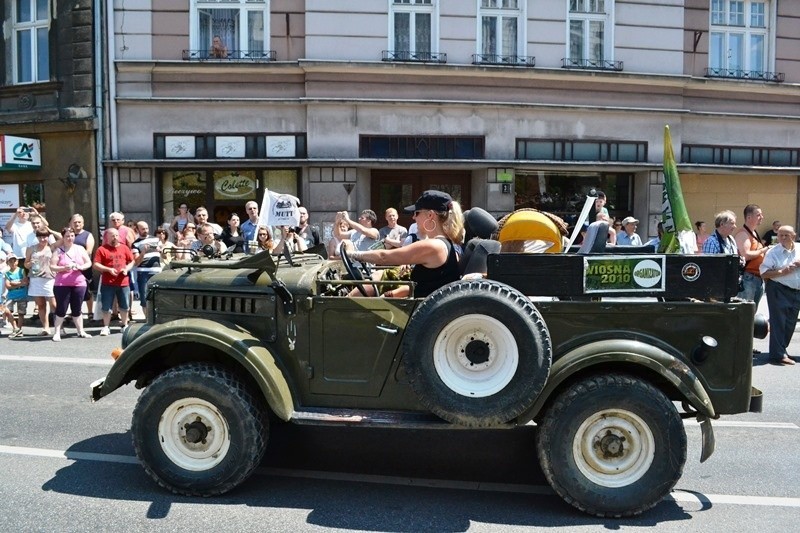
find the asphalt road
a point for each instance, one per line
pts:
(67, 465)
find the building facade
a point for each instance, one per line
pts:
(48, 110)
(503, 103)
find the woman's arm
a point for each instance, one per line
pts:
(430, 253)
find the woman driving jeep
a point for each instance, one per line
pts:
(441, 226)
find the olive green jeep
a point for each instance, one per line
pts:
(605, 353)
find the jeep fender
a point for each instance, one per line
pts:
(247, 351)
(628, 353)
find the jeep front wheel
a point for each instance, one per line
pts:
(198, 431)
(612, 445)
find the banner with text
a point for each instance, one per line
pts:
(279, 209)
(625, 273)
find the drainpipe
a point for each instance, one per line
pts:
(112, 93)
(99, 110)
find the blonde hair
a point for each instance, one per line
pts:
(452, 222)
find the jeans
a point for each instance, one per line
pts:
(752, 288)
(109, 292)
(141, 281)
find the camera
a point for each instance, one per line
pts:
(28, 209)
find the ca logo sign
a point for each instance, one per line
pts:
(23, 152)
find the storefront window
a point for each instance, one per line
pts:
(180, 186)
(33, 195)
(564, 193)
(282, 181)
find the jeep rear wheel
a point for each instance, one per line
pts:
(612, 445)
(198, 431)
(477, 353)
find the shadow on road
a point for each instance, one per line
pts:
(410, 457)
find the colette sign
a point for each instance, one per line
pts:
(234, 186)
(19, 153)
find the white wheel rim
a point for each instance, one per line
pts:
(180, 425)
(475, 356)
(614, 448)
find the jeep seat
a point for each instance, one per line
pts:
(479, 225)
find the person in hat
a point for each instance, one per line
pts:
(628, 236)
(440, 224)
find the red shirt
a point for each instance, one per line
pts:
(115, 257)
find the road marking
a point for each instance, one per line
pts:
(70, 360)
(678, 495)
(696, 497)
(742, 424)
(68, 454)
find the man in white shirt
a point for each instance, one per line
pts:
(781, 269)
(19, 226)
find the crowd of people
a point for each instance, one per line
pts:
(54, 269)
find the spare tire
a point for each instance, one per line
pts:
(477, 353)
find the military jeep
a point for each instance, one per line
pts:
(605, 353)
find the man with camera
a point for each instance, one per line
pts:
(308, 233)
(20, 227)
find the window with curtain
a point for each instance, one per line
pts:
(230, 29)
(589, 38)
(31, 44)
(412, 26)
(501, 21)
(739, 36)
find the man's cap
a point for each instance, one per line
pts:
(433, 200)
(629, 220)
(11, 255)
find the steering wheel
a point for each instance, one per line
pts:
(353, 271)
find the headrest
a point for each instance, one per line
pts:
(529, 226)
(479, 223)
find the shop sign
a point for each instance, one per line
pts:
(9, 196)
(19, 153)
(280, 146)
(625, 273)
(230, 146)
(234, 186)
(179, 146)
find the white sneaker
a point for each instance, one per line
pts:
(105, 332)
(57, 337)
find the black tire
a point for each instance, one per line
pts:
(179, 407)
(493, 354)
(612, 445)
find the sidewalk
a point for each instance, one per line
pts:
(32, 324)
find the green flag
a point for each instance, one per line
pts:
(678, 236)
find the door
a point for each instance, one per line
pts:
(399, 188)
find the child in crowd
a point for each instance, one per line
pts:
(16, 282)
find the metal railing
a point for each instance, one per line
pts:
(738, 74)
(496, 59)
(591, 64)
(259, 56)
(418, 57)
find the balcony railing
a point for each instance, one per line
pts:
(745, 74)
(495, 59)
(258, 56)
(415, 57)
(591, 64)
